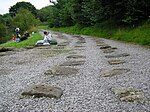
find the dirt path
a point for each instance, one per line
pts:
(94, 74)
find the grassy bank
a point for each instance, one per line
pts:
(29, 42)
(139, 35)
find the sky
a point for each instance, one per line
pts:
(6, 4)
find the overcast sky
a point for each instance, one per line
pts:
(6, 4)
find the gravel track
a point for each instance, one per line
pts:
(87, 91)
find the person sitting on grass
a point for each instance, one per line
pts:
(48, 38)
(25, 36)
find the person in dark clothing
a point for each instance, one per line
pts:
(25, 36)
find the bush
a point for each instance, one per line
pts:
(3, 31)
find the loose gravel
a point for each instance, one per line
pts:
(86, 91)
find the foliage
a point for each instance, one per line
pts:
(3, 29)
(45, 13)
(25, 20)
(3, 32)
(13, 10)
(61, 14)
(90, 12)
(136, 11)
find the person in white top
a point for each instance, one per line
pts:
(47, 39)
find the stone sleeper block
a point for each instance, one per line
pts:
(129, 94)
(117, 55)
(105, 47)
(73, 63)
(4, 49)
(59, 70)
(76, 56)
(114, 72)
(43, 91)
(115, 62)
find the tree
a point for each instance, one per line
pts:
(25, 20)
(91, 12)
(13, 10)
(136, 11)
(60, 15)
(45, 13)
(3, 29)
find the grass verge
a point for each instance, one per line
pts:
(29, 42)
(139, 35)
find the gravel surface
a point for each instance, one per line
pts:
(86, 91)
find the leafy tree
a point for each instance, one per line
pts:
(25, 20)
(45, 13)
(54, 20)
(64, 12)
(61, 14)
(3, 29)
(77, 13)
(136, 11)
(90, 12)
(13, 10)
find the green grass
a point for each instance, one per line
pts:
(139, 35)
(29, 42)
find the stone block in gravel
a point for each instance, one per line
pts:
(129, 94)
(53, 52)
(72, 52)
(81, 41)
(59, 47)
(115, 62)
(79, 46)
(114, 48)
(78, 36)
(109, 50)
(43, 91)
(101, 45)
(6, 53)
(105, 47)
(114, 72)
(100, 42)
(63, 44)
(29, 47)
(59, 70)
(79, 49)
(75, 56)
(117, 55)
(43, 46)
(4, 49)
(73, 63)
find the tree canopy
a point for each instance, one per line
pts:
(90, 12)
(13, 10)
